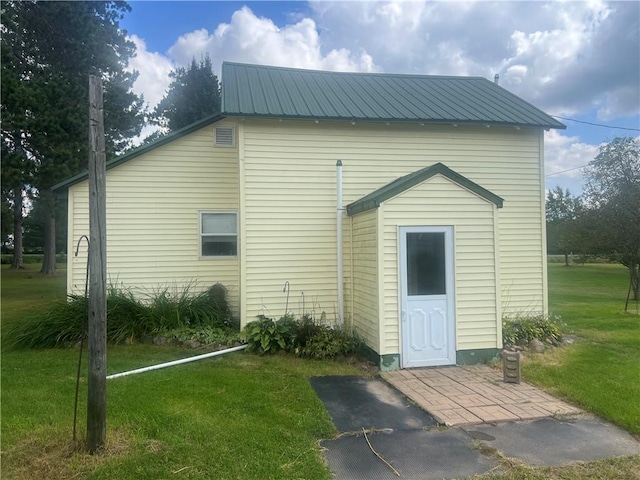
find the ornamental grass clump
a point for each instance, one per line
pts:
(129, 317)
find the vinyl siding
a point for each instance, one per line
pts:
(365, 284)
(153, 205)
(439, 202)
(289, 202)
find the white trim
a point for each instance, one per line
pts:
(200, 234)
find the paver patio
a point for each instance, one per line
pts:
(474, 394)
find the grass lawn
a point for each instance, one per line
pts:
(242, 416)
(601, 372)
(238, 416)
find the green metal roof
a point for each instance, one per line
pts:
(136, 152)
(390, 190)
(256, 90)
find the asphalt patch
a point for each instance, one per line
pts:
(415, 454)
(554, 442)
(356, 402)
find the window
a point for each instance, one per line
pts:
(218, 234)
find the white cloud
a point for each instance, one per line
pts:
(153, 69)
(252, 39)
(564, 158)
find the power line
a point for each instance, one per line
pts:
(565, 171)
(596, 124)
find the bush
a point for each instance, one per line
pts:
(128, 318)
(209, 336)
(524, 328)
(303, 337)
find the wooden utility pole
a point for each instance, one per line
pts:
(97, 379)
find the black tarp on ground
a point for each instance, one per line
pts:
(552, 442)
(356, 402)
(415, 454)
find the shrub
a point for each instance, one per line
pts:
(128, 318)
(303, 337)
(210, 336)
(268, 336)
(524, 328)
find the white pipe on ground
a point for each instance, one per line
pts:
(339, 211)
(176, 362)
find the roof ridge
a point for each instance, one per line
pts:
(373, 74)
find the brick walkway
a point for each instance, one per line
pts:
(474, 394)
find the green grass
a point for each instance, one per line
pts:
(601, 372)
(24, 291)
(236, 416)
(242, 416)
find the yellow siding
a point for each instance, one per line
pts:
(439, 202)
(289, 173)
(365, 313)
(153, 205)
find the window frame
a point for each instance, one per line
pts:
(201, 234)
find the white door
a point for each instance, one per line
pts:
(427, 296)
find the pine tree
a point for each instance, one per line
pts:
(193, 95)
(49, 49)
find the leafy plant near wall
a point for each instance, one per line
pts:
(130, 317)
(304, 337)
(523, 328)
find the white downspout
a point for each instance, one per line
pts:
(339, 211)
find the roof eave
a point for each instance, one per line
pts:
(399, 185)
(430, 121)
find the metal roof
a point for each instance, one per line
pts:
(399, 185)
(256, 90)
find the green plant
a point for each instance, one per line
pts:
(304, 337)
(209, 336)
(128, 317)
(524, 328)
(268, 336)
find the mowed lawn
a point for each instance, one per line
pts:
(238, 416)
(601, 371)
(242, 416)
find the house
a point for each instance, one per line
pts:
(410, 207)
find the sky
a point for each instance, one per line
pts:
(579, 60)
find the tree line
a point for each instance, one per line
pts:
(605, 220)
(49, 49)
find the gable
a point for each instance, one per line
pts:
(141, 150)
(400, 185)
(256, 90)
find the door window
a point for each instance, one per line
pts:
(426, 264)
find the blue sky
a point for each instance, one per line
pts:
(579, 60)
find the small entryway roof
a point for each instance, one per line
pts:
(396, 187)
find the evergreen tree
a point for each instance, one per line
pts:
(49, 49)
(193, 95)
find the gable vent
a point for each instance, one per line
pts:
(224, 137)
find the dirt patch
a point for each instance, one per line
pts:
(52, 455)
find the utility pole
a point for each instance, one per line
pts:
(97, 378)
